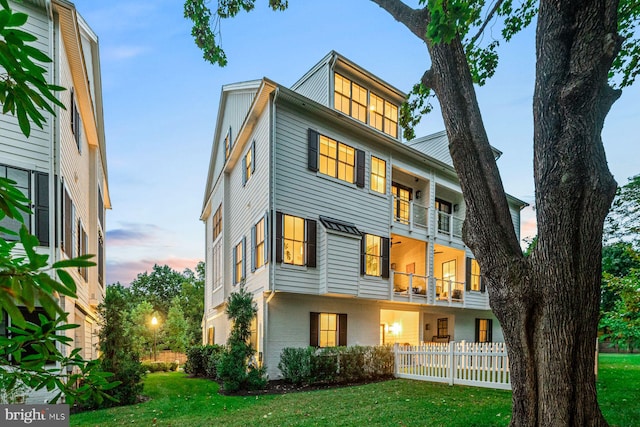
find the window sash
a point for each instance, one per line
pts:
(217, 223)
(337, 160)
(328, 333)
(443, 327)
(373, 255)
(238, 258)
(378, 175)
(260, 244)
(294, 240)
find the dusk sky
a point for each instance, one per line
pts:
(161, 101)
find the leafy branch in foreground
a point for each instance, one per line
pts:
(24, 91)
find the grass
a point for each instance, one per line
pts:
(177, 400)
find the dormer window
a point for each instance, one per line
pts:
(357, 102)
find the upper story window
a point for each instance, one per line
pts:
(375, 256)
(238, 262)
(337, 159)
(475, 275)
(402, 197)
(258, 244)
(227, 145)
(101, 209)
(249, 163)
(378, 179)
(217, 222)
(83, 247)
(355, 101)
(76, 122)
(295, 240)
(444, 210)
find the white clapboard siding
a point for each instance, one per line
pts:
(343, 264)
(315, 85)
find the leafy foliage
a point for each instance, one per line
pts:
(234, 368)
(24, 91)
(175, 329)
(202, 360)
(623, 222)
(622, 324)
(158, 288)
(626, 66)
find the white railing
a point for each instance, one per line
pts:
(449, 224)
(410, 284)
(476, 364)
(448, 290)
(410, 213)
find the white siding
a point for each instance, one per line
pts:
(515, 217)
(343, 264)
(316, 85)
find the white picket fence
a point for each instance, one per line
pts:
(476, 364)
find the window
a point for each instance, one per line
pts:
(238, 262)
(351, 99)
(337, 159)
(22, 179)
(375, 256)
(83, 247)
(474, 280)
(248, 163)
(217, 265)
(76, 121)
(227, 145)
(449, 271)
(68, 222)
(33, 317)
(101, 209)
(378, 179)
(444, 215)
(100, 259)
(383, 115)
(253, 334)
(258, 244)
(484, 330)
(217, 223)
(443, 327)
(211, 335)
(401, 199)
(295, 240)
(328, 330)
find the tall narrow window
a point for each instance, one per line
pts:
(402, 198)
(238, 261)
(373, 255)
(82, 247)
(227, 145)
(249, 163)
(443, 210)
(342, 96)
(390, 119)
(294, 240)
(449, 271)
(217, 223)
(378, 180)
(259, 245)
(383, 115)
(484, 329)
(76, 122)
(22, 179)
(358, 102)
(100, 259)
(443, 327)
(475, 275)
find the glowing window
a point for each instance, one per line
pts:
(378, 179)
(373, 255)
(328, 330)
(293, 240)
(337, 159)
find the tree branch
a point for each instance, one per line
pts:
(486, 22)
(414, 19)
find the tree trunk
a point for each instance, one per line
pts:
(547, 303)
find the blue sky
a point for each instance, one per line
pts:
(161, 101)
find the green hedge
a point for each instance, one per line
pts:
(202, 361)
(336, 364)
(159, 366)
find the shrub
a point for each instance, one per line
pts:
(295, 364)
(336, 364)
(202, 360)
(159, 366)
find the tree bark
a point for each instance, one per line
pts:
(547, 303)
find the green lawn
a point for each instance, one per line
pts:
(177, 400)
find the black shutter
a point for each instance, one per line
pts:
(342, 330)
(253, 248)
(278, 236)
(314, 329)
(385, 257)
(244, 170)
(363, 255)
(477, 330)
(468, 273)
(311, 242)
(42, 208)
(360, 168)
(67, 243)
(490, 330)
(483, 287)
(267, 238)
(312, 156)
(253, 156)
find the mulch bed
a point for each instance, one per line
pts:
(284, 387)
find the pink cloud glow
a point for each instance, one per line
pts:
(125, 272)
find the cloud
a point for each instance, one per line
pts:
(133, 234)
(125, 271)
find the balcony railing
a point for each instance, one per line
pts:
(449, 224)
(448, 290)
(410, 213)
(410, 284)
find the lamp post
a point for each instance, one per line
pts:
(154, 324)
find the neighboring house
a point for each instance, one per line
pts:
(62, 168)
(344, 234)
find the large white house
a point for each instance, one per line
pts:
(62, 168)
(345, 234)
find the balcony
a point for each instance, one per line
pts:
(409, 213)
(408, 287)
(450, 225)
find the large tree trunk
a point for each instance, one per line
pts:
(547, 303)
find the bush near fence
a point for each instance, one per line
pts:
(202, 361)
(336, 364)
(159, 366)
